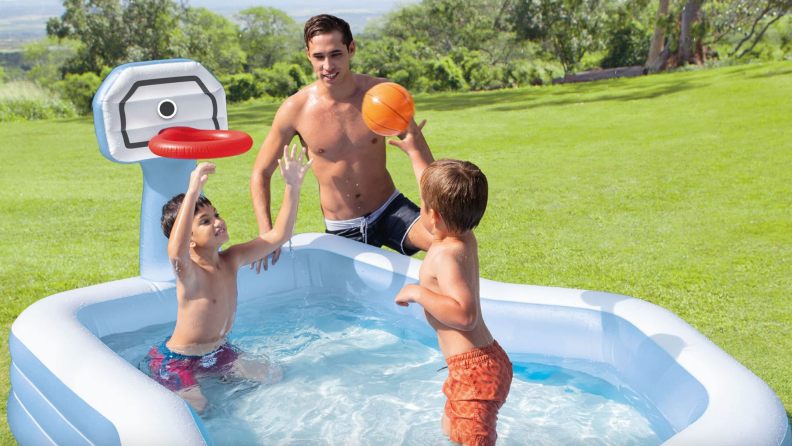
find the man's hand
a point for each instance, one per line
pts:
(412, 139)
(408, 294)
(200, 175)
(275, 257)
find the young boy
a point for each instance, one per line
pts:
(206, 286)
(453, 200)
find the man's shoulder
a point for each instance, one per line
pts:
(296, 102)
(366, 81)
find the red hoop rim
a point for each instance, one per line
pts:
(190, 143)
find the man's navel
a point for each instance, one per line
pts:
(321, 150)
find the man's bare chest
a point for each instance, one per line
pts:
(336, 133)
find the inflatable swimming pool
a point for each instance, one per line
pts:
(69, 387)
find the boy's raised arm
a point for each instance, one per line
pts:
(293, 172)
(413, 143)
(179, 241)
(456, 307)
(280, 134)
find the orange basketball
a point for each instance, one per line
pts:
(388, 109)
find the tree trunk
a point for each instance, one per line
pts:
(657, 39)
(690, 15)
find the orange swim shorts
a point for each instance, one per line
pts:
(477, 385)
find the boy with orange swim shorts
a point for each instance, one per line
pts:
(453, 201)
(206, 285)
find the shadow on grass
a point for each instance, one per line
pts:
(78, 120)
(771, 73)
(527, 98)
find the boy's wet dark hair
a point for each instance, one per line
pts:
(171, 210)
(324, 24)
(458, 191)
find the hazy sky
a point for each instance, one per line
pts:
(27, 18)
(292, 7)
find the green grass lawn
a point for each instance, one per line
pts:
(672, 188)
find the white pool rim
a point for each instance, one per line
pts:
(68, 387)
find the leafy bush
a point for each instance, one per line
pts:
(79, 89)
(240, 87)
(282, 80)
(529, 72)
(627, 45)
(448, 76)
(26, 101)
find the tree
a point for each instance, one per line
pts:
(405, 62)
(626, 35)
(47, 56)
(690, 41)
(115, 32)
(100, 25)
(751, 18)
(656, 46)
(152, 25)
(269, 35)
(210, 39)
(571, 28)
(694, 26)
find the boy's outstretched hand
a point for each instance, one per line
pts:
(412, 139)
(407, 294)
(291, 168)
(199, 176)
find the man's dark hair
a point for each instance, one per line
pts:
(457, 190)
(324, 24)
(171, 210)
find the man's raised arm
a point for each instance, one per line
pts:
(281, 133)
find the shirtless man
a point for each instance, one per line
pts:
(359, 200)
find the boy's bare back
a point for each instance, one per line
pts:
(451, 268)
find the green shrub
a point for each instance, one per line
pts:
(282, 80)
(240, 87)
(626, 45)
(448, 76)
(26, 101)
(79, 89)
(534, 72)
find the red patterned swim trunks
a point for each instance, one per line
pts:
(477, 386)
(177, 372)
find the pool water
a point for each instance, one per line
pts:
(353, 374)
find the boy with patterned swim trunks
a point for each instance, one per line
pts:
(453, 200)
(206, 286)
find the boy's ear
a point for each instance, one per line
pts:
(434, 217)
(192, 244)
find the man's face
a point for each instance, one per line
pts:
(208, 229)
(330, 57)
